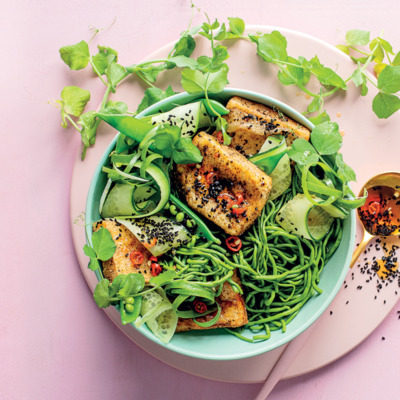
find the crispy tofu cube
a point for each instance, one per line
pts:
(233, 311)
(250, 123)
(227, 189)
(126, 243)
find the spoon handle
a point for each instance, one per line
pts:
(361, 247)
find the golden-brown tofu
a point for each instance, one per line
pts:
(233, 311)
(250, 123)
(126, 242)
(227, 189)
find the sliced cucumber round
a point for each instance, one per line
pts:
(282, 174)
(302, 218)
(159, 316)
(164, 325)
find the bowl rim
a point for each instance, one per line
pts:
(257, 348)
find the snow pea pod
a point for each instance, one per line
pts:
(127, 125)
(129, 317)
(214, 108)
(202, 228)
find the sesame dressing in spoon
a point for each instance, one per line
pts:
(380, 215)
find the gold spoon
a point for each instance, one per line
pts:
(388, 180)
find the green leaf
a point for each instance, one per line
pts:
(389, 79)
(357, 76)
(285, 78)
(326, 138)
(164, 277)
(378, 68)
(384, 105)
(293, 75)
(114, 72)
(223, 34)
(386, 46)
(325, 75)
(183, 62)
(360, 60)
(343, 48)
(76, 56)
(101, 293)
(204, 63)
(115, 107)
(303, 152)
(215, 25)
(357, 37)
(216, 81)
(345, 172)
(272, 47)
(315, 105)
(166, 138)
(185, 46)
(100, 59)
(185, 152)
(88, 123)
(320, 118)
(94, 264)
(133, 284)
(377, 50)
(103, 244)
(236, 25)
(117, 284)
(220, 54)
(193, 82)
(149, 72)
(89, 251)
(74, 100)
(396, 60)
(152, 96)
(364, 87)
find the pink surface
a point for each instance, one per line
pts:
(54, 341)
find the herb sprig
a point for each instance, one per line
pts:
(386, 65)
(102, 249)
(208, 74)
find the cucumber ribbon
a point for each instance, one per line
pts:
(269, 159)
(161, 180)
(301, 217)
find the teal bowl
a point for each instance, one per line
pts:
(218, 344)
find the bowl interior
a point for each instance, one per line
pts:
(218, 344)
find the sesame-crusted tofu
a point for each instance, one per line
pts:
(226, 188)
(250, 123)
(126, 243)
(233, 311)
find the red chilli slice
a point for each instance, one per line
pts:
(200, 306)
(233, 243)
(136, 257)
(155, 269)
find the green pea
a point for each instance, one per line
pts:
(129, 300)
(167, 206)
(180, 217)
(129, 308)
(190, 223)
(173, 210)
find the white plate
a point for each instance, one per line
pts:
(355, 312)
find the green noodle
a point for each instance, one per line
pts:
(279, 271)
